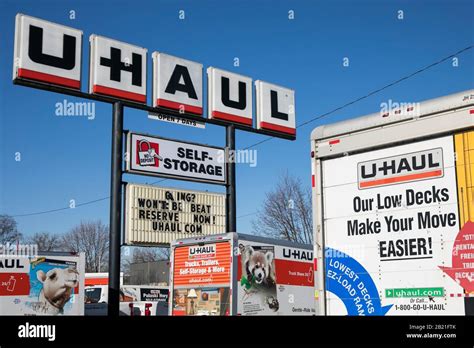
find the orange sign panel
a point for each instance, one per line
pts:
(202, 265)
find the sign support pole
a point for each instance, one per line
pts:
(115, 210)
(231, 219)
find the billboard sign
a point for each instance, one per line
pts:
(156, 156)
(52, 53)
(391, 225)
(42, 285)
(177, 83)
(275, 108)
(158, 215)
(230, 97)
(117, 69)
(47, 52)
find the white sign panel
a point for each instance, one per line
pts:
(42, 285)
(275, 108)
(117, 69)
(421, 165)
(391, 220)
(230, 96)
(177, 83)
(158, 215)
(164, 157)
(47, 52)
(177, 120)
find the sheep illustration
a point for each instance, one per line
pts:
(58, 284)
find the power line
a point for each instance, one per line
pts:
(387, 86)
(299, 126)
(245, 215)
(371, 93)
(78, 205)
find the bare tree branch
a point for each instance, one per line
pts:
(93, 239)
(286, 212)
(8, 230)
(45, 241)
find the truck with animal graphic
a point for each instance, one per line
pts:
(393, 210)
(238, 274)
(46, 284)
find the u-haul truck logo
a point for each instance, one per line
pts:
(422, 165)
(202, 252)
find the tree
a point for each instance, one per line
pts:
(8, 230)
(286, 212)
(149, 254)
(140, 255)
(93, 239)
(45, 241)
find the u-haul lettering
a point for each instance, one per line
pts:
(422, 165)
(204, 251)
(297, 254)
(14, 264)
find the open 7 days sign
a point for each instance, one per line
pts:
(157, 216)
(155, 156)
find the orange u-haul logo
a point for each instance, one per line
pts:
(415, 166)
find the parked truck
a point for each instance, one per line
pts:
(41, 283)
(238, 274)
(135, 300)
(393, 210)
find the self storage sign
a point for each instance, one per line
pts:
(176, 159)
(157, 215)
(391, 222)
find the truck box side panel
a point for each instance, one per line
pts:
(201, 276)
(464, 143)
(404, 112)
(391, 221)
(392, 134)
(318, 238)
(27, 287)
(274, 277)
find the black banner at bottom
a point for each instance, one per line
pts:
(223, 331)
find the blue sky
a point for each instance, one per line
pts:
(64, 158)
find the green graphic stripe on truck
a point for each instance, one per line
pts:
(414, 292)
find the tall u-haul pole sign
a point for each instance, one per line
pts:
(48, 56)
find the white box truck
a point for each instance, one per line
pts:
(45, 284)
(135, 300)
(238, 274)
(393, 210)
